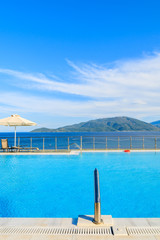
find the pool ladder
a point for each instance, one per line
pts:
(97, 202)
(75, 145)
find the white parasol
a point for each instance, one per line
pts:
(14, 121)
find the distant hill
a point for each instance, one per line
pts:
(105, 125)
(156, 123)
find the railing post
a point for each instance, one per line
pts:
(56, 143)
(118, 143)
(143, 142)
(68, 144)
(18, 141)
(81, 144)
(155, 143)
(130, 142)
(93, 143)
(97, 203)
(43, 144)
(31, 143)
(106, 143)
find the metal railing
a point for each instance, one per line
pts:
(67, 143)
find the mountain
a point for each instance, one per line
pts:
(105, 125)
(156, 123)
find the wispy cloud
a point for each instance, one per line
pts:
(96, 81)
(129, 87)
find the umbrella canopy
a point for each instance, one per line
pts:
(16, 120)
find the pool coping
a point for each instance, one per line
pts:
(75, 152)
(122, 228)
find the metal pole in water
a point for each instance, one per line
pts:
(97, 204)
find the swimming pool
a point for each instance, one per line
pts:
(62, 186)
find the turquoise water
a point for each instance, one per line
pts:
(62, 186)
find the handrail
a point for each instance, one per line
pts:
(88, 142)
(78, 136)
(74, 144)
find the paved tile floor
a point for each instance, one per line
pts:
(118, 223)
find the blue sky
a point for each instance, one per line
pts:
(63, 62)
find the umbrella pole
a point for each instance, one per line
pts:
(15, 137)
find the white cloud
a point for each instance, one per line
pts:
(129, 88)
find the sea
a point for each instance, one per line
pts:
(57, 134)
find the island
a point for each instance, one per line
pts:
(105, 125)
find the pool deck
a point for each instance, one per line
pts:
(122, 228)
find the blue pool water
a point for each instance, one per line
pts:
(62, 186)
